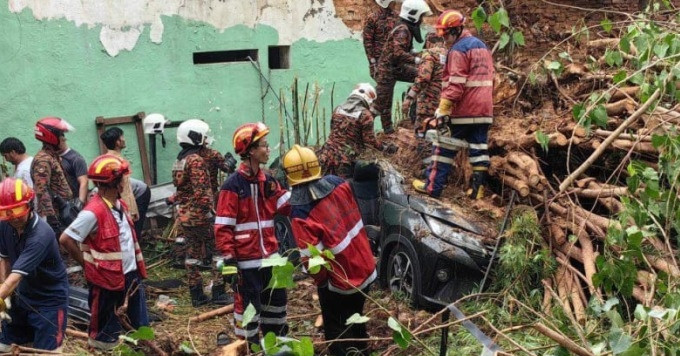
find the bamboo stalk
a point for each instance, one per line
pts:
(561, 339)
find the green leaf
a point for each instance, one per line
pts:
(503, 17)
(315, 263)
(479, 17)
(270, 343)
(187, 348)
(620, 76)
(566, 56)
(609, 304)
(282, 276)
(313, 251)
(619, 341)
(532, 78)
(394, 324)
(578, 111)
(248, 314)
(518, 38)
(599, 116)
(143, 333)
(613, 58)
(660, 49)
(554, 65)
(658, 313)
(402, 339)
(503, 40)
(495, 22)
(274, 261)
(126, 338)
(542, 140)
(329, 255)
(606, 25)
(306, 346)
(640, 312)
(357, 318)
(637, 79)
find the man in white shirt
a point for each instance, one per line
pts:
(14, 151)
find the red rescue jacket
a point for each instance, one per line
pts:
(244, 226)
(334, 223)
(468, 81)
(101, 249)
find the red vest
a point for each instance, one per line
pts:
(101, 249)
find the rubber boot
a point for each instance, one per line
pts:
(419, 186)
(220, 296)
(476, 190)
(198, 298)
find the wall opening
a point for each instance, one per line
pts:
(239, 55)
(279, 57)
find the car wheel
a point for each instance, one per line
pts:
(403, 273)
(284, 234)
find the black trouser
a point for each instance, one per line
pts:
(336, 308)
(142, 206)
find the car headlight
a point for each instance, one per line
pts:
(437, 227)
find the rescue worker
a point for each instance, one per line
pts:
(244, 234)
(377, 27)
(396, 62)
(49, 183)
(114, 140)
(195, 202)
(14, 152)
(109, 253)
(32, 273)
(351, 133)
(324, 214)
(465, 108)
(75, 170)
(426, 89)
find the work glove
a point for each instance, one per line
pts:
(444, 110)
(229, 269)
(5, 305)
(230, 162)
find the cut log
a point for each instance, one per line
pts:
(236, 348)
(577, 302)
(624, 136)
(521, 187)
(603, 43)
(546, 296)
(589, 256)
(663, 265)
(557, 233)
(624, 106)
(639, 147)
(77, 334)
(624, 93)
(562, 340)
(213, 313)
(563, 284)
(601, 192)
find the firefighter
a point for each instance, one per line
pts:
(195, 202)
(49, 182)
(396, 62)
(351, 133)
(244, 234)
(109, 253)
(426, 89)
(377, 27)
(465, 108)
(32, 273)
(324, 214)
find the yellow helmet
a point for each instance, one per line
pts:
(301, 165)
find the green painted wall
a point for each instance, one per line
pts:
(55, 68)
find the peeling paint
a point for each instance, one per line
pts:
(123, 21)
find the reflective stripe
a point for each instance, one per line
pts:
(283, 200)
(250, 264)
(471, 120)
(254, 226)
(483, 158)
(241, 236)
(19, 272)
(457, 80)
(442, 159)
(306, 253)
(106, 256)
(273, 321)
(17, 190)
(363, 285)
(479, 146)
(245, 333)
(139, 257)
(137, 248)
(239, 317)
(479, 83)
(348, 238)
(88, 258)
(223, 220)
(273, 309)
(179, 240)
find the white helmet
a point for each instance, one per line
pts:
(384, 3)
(154, 123)
(194, 132)
(413, 10)
(366, 91)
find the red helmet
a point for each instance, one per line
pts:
(107, 168)
(15, 198)
(449, 19)
(248, 134)
(48, 129)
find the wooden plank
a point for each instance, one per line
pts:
(99, 121)
(146, 169)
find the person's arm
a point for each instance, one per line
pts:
(4, 269)
(366, 121)
(225, 221)
(71, 246)
(10, 284)
(82, 191)
(401, 43)
(200, 181)
(281, 197)
(41, 173)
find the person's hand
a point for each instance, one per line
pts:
(170, 200)
(5, 305)
(229, 269)
(230, 162)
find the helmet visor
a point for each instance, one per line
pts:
(13, 213)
